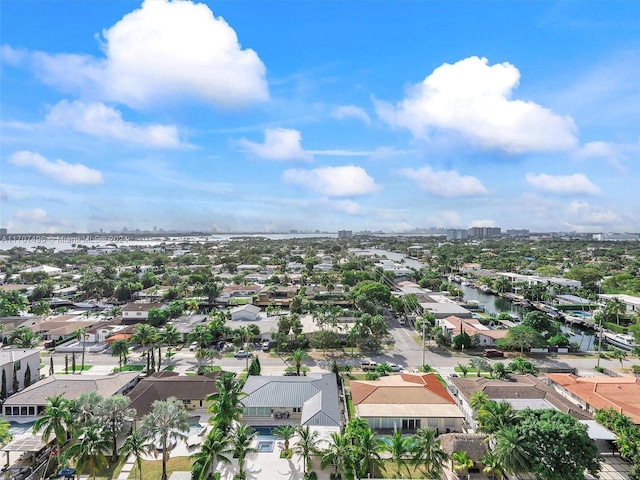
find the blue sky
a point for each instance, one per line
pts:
(277, 115)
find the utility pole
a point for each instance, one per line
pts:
(599, 339)
(423, 340)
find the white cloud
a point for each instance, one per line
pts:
(445, 218)
(351, 111)
(342, 153)
(36, 216)
(344, 206)
(445, 183)
(99, 120)
(279, 144)
(162, 50)
(345, 181)
(474, 99)
(72, 174)
(482, 223)
(616, 154)
(583, 216)
(563, 184)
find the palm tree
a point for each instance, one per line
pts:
(241, 439)
(428, 452)
(90, 449)
(480, 364)
(478, 399)
(618, 355)
(214, 450)
(297, 357)
(460, 460)
(509, 452)
(285, 432)
(226, 402)
(81, 335)
(494, 416)
(167, 422)
(306, 445)
(115, 417)
(615, 306)
(399, 447)
(338, 453)
(5, 433)
(492, 465)
(56, 420)
(170, 335)
(464, 369)
(23, 337)
(144, 335)
(120, 349)
(368, 449)
(136, 444)
(84, 409)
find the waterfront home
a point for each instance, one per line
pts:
(15, 361)
(487, 337)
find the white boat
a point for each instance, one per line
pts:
(625, 342)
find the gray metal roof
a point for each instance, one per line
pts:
(316, 394)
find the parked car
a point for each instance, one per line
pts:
(402, 321)
(193, 346)
(242, 354)
(394, 367)
(366, 365)
(493, 352)
(266, 345)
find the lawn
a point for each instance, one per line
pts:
(472, 372)
(78, 369)
(153, 468)
(111, 471)
(388, 469)
(130, 368)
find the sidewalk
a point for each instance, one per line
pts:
(127, 467)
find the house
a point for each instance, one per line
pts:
(246, 312)
(632, 303)
(406, 402)
(28, 404)
(49, 270)
(185, 324)
(238, 291)
(13, 360)
(523, 391)
(277, 295)
(595, 393)
(470, 268)
(307, 401)
(192, 391)
(137, 312)
(62, 327)
(487, 337)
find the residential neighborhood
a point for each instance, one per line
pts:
(297, 373)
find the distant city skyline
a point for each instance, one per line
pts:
(267, 116)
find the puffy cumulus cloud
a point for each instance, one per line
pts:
(345, 181)
(36, 217)
(473, 99)
(445, 183)
(351, 111)
(279, 144)
(72, 174)
(616, 154)
(344, 206)
(563, 184)
(164, 49)
(99, 120)
(582, 216)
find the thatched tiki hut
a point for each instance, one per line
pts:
(475, 444)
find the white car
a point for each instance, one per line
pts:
(394, 367)
(193, 346)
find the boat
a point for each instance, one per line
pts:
(623, 341)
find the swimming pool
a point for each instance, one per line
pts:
(195, 429)
(265, 445)
(16, 428)
(579, 313)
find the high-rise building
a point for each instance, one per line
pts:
(3, 232)
(457, 234)
(518, 233)
(343, 234)
(484, 232)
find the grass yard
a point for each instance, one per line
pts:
(78, 369)
(111, 471)
(388, 469)
(153, 468)
(130, 368)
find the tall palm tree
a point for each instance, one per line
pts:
(81, 335)
(618, 354)
(480, 364)
(84, 409)
(297, 357)
(492, 466)
(241, 439)
(136, 444)
(120, 349)
(214, 450)
(478, 399)
(226, 402)
(494, 416)
(338, 453)
(167, 422)
(615, 306)
(23, 337)
(90, 449)
(116, 417)
(399, 446)
(509, 452)
(368, 449)
(285, 432)
(428, 452)
(55, 420)
(144, 335)
(306, 445)
(460, 460)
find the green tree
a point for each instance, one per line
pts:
(55, 420)
(492, 466)
(120, 349)
(27, 376)
(168, 421)
(510, 451)
(464, 369)
(89, 450)
(41, 308)
(116, 417)
(478, 400)
(3, 387)
(136, 444)
(563, 449)
(428, 452)
(215, 450)
(521, 337)
(5, 433)
(144, 335)
(615, 307)
(338, 453)
(461, 461)
(399, 447)
(81, 336)
(522, 366)
(51, 371)
(480, 364)
(226, 402)
(286, 433)
(494, 416)
(306, 445)
(297, 357)
(372, 291)
(618, 355)
(23, 337)
(241, 439)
